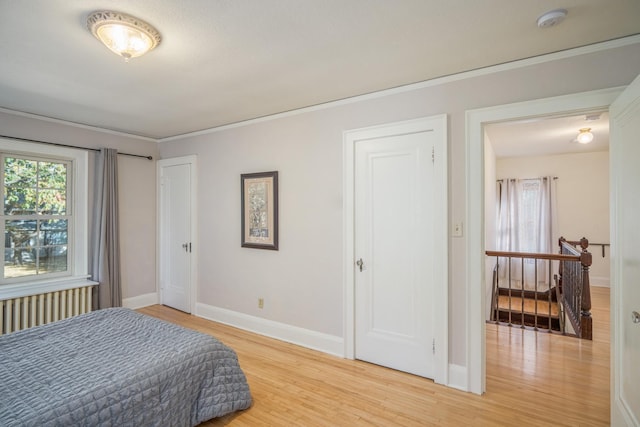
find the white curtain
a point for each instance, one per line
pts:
(105, 260)
(526, 223)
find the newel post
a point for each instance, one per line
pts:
(586, 328)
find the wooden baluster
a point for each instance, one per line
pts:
(495, 307)
(522, 267)
(509, 278)
(535, 295)
(585, 304)
(560, 265)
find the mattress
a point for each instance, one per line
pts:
(117, 367)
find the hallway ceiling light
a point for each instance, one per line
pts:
(123, 34)
(584, 136)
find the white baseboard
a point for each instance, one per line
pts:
(303, 337)
(603, 282)
(140, 301)
(458, 377)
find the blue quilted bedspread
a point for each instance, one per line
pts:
(117, 367)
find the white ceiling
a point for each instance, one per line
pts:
(549, 135)
(226, 61)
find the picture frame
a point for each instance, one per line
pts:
(259, 210)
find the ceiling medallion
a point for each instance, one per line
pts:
(125, 35)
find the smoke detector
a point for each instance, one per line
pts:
(552, 18)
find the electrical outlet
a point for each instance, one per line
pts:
(260, 302)
(457, 229)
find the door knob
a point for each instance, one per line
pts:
(635, 317)
(360, 263)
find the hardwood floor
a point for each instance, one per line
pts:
(528, 305)
(532, 380)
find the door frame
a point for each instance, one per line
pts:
(475, 245)
(441, 287)
(192, 161)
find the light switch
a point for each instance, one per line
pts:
(457, 229)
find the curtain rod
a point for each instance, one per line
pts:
(73, 146)
(513, 179)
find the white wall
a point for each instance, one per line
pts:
(302, 283)
(583, 198)
(136, 184)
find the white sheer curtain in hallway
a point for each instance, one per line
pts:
(526, 222)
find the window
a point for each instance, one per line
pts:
(526, 211)
(44, 217)
(36, 216)
(529, 213)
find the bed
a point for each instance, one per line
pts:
(117, 367)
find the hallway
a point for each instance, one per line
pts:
(558, 376)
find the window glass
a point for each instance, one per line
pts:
(529, 216)
(36, 216)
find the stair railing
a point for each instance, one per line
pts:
(572, 290)
(541, 317)
(575, 286)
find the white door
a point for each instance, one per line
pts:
(625, 304)
(176, 244)
(394, 251)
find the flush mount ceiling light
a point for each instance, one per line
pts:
(125, 35)
(551, 18)
(584, 136)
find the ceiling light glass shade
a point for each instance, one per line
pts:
(123, 34)
(584, 136)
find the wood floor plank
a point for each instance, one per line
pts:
(528, 305)
(533, 379)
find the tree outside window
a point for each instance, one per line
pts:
(36, 216)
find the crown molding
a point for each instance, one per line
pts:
(75, 125)
(512, 65)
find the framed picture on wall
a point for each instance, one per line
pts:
(259, 210)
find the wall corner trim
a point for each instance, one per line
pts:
(140, 301)
(601, 282)
(458, 377)
(292, 334)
